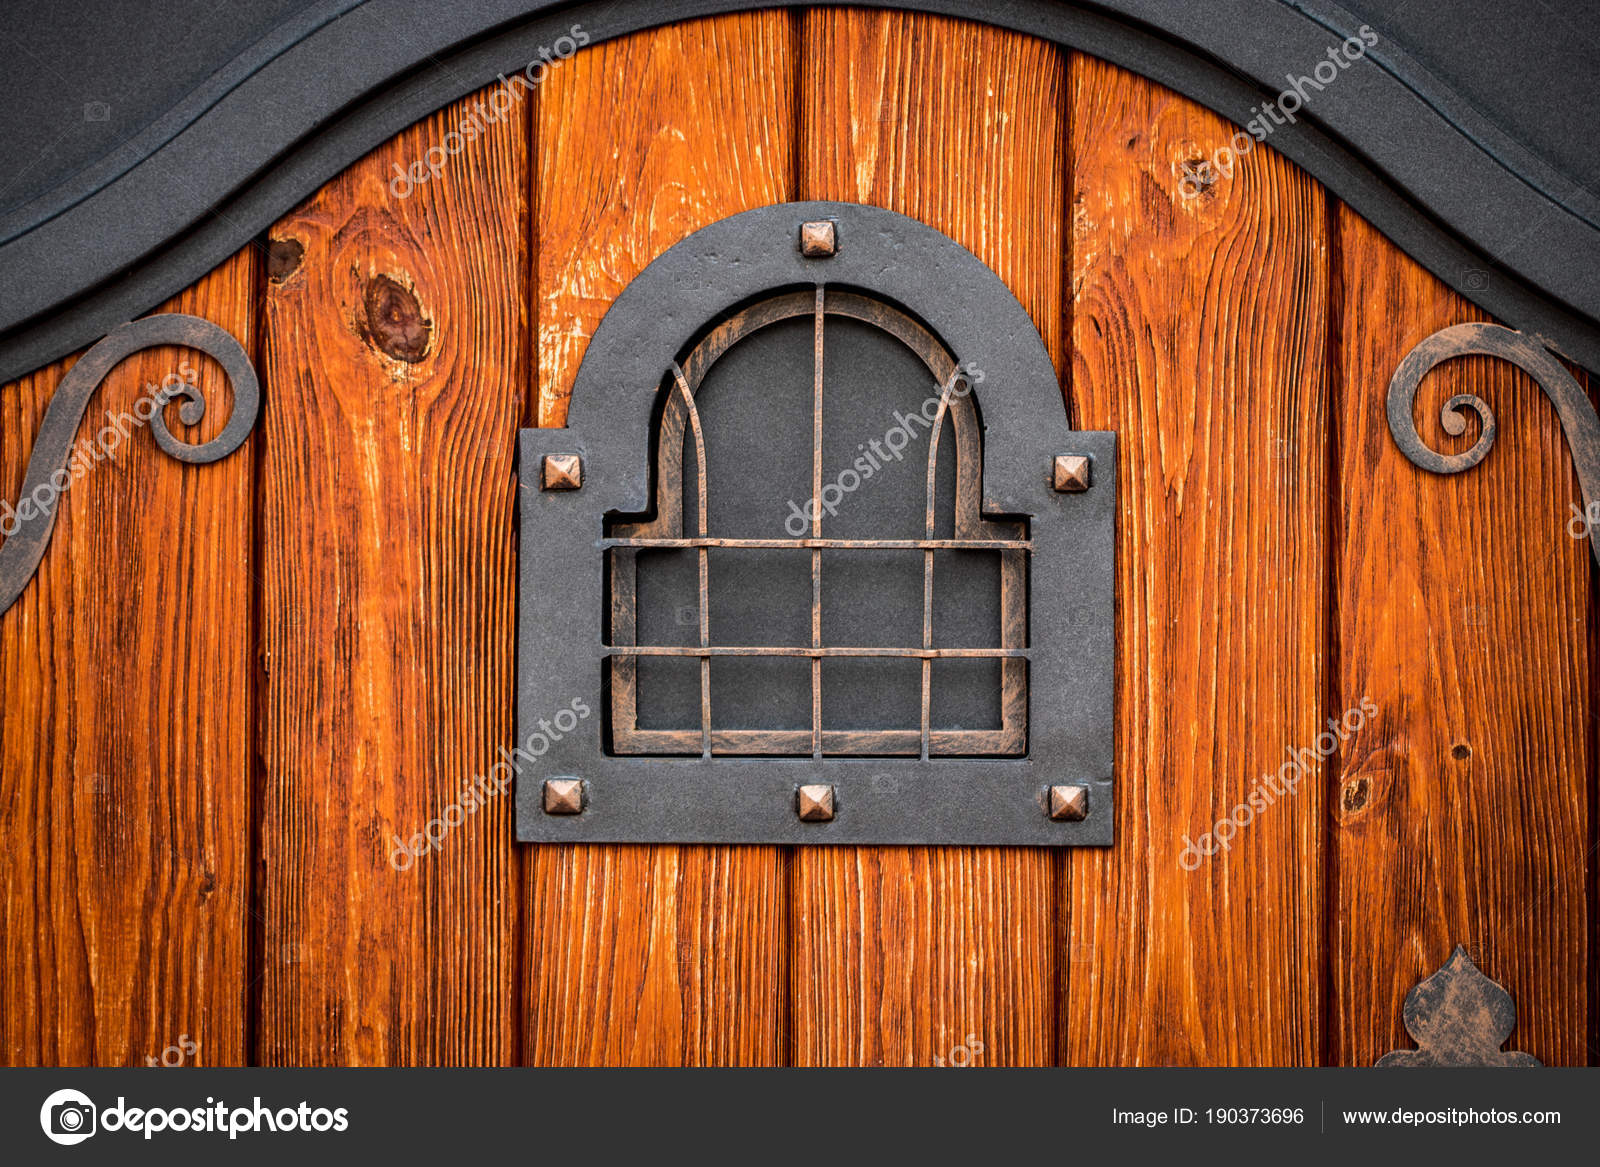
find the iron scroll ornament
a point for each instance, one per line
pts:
(1578, 419)
(25, 544)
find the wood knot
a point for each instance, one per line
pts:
(1196, 177)
(284, 257)
(1355, 795)
(1461, 751)
(395, 323)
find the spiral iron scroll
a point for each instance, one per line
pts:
(1578, 419)
(25, 544)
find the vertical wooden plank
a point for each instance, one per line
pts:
(652, 955)
(1199, 333)
(124, 732)
(396, 361)
(1462, 811)
(902, 955)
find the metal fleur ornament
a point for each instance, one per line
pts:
(30, 523)
(1578, 419)
(1459, 1017)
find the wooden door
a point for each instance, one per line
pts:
(229, 687)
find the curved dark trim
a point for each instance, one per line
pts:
(1398, 146)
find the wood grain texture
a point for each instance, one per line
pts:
(652, 955)
(125, 729)
(1462, 812)
(1199, 334)
(232, 688)
(395, 365)
(902, 955)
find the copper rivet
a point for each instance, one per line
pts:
(1071, 473)
(819, 239)
(815, 804)
(561, 472)
(1069, 803)
(563, 796)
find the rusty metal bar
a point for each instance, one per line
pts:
(820, 652)
(825, 544)
(700, 476)
(816, 522)
(796, 743)
(927, 556)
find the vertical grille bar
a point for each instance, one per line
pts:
(927, 560)
(816, 524)
(701, 471)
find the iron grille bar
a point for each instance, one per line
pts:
(927, 558)
(705, 564)
(817, 651)
(816, 524)
(666, 544)
(782, 743)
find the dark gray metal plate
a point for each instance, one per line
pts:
(563, 590)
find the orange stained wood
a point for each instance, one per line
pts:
(1200, 335)
(652, 955)
(125, 732)
(1462, 812)
(900, 955)
(395, 357)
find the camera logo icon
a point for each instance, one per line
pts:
(68, 1117)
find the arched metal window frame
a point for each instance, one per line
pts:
(653, 324)
(972, 531)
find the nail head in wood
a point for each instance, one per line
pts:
(561, 472)
(819, 238)
(563, 796)
(1071, 473)
(1069, 803)
(814, 804)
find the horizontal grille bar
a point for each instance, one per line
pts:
(831, 544)
(802, 651)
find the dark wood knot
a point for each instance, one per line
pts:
(395, 323)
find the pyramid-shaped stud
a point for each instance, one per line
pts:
(1069, 803)
(819, 239)
(561, 472)
(563, 796)
(1071, 475)
(814, 804)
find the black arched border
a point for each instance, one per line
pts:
(298, 107)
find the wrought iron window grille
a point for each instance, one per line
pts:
(930, 665)
(681, 523)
